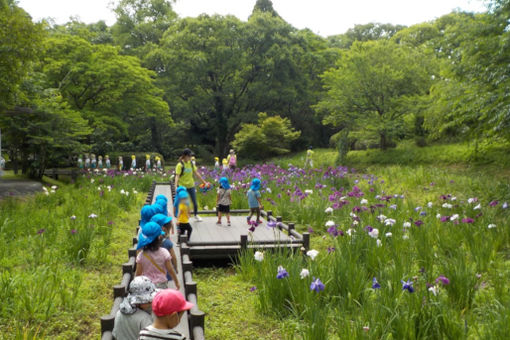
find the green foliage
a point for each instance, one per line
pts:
(367, 32)
(20, 41)
(369, 91)
(271, 136)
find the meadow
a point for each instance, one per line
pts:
(400, 251)
(61, 252)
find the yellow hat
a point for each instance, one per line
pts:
(148, 156)
(216, 159)
(133, 156)
(224, 161)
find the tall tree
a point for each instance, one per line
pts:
(20, 42)
(265, 6)
(368, 91)
(366, 32)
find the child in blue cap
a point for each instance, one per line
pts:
(183, 225)
(224, 200)
(146, 214)
(162, 201)
(168, 227)
(154, 261)
(254, 200)
(176, 200)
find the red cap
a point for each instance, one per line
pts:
(169, 301)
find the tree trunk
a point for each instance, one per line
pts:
(383, 144)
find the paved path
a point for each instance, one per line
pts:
(18, 187)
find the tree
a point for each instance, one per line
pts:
(270, 137)
(20, 42)
(265, 6)
(113, 92)
(367, 32)
(369, 90)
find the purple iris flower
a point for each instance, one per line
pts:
(73, 231)
(271, 224)
(369, 228)
(331, 249)
(445, 218)
(493, 203)
(252, 289)
(467, 220)
(423, 213)
(407, 285)
(251, 229)
(375, 284)
(317, 285)
(418, 223)
(41, 231)
(333, 231)
(443, 279)
(282, 273)
(110, 222)
(310, 230)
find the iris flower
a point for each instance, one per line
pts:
(490, 226)
(282, 273)
(92, 216)
(374, 233)
(493, 203)
(271, 224)
(317, 285)
(259, 256)
(304, 273)
(312, 254)
(443, 279)
(407, 285)
(375, 284)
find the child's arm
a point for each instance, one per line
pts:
(174, 259)
(217, 198)
(171, 271)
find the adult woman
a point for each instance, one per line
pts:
(184, 172)
(232, 159)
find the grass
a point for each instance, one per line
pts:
(60, 281)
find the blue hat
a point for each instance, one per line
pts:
(158, 208)
(161, 219)
(163, 204)
(150, 232)
(182, 195)
(161, 197)
(255, 184)
(180, 188)
(146, 214)
(224, 183)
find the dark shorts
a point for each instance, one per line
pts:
(224, 208)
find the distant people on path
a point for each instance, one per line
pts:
(133, 162)
(254, 200)
(147, 163)
(168, 306)
(183, 225)
(224, 200)
(135, 312)
(224, 164)
(121, 163)
(108, 163)
(232, 159)
(87, 161)
(2, 165)
(93, 162)
(158, 164)
(80, 162)
(309, 158)
(184, 172)
(217, 163)
(154, 261)
(100, 162)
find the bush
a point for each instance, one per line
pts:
(270, 137)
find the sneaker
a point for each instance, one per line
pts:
(218, 223)
(198, 219)
(229, 224)
(248, 220)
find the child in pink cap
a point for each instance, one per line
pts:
(168, 307)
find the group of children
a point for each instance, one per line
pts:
(90, 162)
(152, 309)
(227, 163)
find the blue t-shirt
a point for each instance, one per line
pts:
(168, 244)
(252, 198)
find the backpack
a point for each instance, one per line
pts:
(233, 160)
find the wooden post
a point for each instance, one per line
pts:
(132, 252)
(135, 240)
(119, 291)
(244, 242)
(279, 220)
(269, 213)
(291, 226)
(306, 241)
(183, 238)
(107, 323)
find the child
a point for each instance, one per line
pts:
(309, 158)
(216, 164)
(168, 306)
(176, 200)
(168, 227)
(80, 162)
(135, 311)
(87, 161)
(146, 214)
(147, 163)
(158, 164)
(183, 225)
(254, 200)
(100, 162)
(107, 161)
(163, 201)
(224, 200)
(121, 163)
(133, 162)
(224, 162)
(93, 162)
(154, 261)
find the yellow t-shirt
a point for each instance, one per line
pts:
(186, 178)
(309, 154)
(183, 213)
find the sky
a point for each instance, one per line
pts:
(324, 17)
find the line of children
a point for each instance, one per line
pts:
(224, 200)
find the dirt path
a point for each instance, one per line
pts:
(18, 187)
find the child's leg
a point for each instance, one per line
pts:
(190, 229)
(258, 215)
(193, 195)
(219, 216)
(228, 217)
